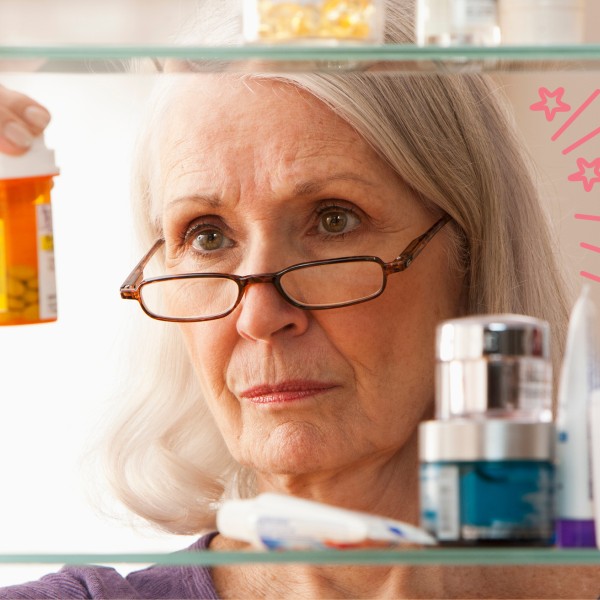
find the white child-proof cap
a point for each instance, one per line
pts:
(38, 161)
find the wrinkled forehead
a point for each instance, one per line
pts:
(195, 101)
(204, 117)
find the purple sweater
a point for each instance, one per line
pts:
(159, 581)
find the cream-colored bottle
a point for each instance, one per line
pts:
(27, 275)
(457, 23)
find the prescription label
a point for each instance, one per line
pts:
(45, 255)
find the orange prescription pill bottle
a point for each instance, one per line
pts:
(27, 279)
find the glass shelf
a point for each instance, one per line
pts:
(114, 59)
(389, 58)
(445, 556)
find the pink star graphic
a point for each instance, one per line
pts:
(588, 179)
(554, 98)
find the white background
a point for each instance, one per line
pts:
(56, 379)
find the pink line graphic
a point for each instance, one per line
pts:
(589, 247)
(583, 140)
(587, 217)
(570, 120)
(590, 276)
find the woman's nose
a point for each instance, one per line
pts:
(264, 314)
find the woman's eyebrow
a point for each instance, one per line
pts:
(209, 201)
(314, 186)
(308, 187)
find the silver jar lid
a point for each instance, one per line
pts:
(468, 440)
(494, 366)
(470, 338)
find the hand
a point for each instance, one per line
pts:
(21, 119)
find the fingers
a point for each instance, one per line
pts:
(21, 119)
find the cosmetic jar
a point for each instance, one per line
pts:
(542, 22)
(487, 482)
(494, 366)
(27, 278)
(457, 23)
(487, 460)
(314, 21)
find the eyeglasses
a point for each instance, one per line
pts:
(315, 285)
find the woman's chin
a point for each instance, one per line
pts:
(297, 448)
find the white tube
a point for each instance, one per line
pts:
(595, 446)
(278, 522)
(579, 376)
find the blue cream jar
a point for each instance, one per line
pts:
(487, 460)
(487, 482)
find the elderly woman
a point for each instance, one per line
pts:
(294, 371)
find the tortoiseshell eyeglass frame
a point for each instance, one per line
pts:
(130, 290)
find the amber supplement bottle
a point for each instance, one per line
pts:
(314, 21)
(27, 279)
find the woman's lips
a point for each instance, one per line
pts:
(289, 391)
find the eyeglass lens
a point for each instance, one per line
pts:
(311, 286)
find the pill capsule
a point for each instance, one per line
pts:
(341, 19)
(15, 287)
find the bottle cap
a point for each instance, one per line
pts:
(471, 338)
(573, 533)
(38, 161)
(471, 440)
(234, 519)
(494, 366)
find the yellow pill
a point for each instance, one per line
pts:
(15, 304)
(31, 313)
(22, 272)
(30, 297)
(15, 287)
(33, 284)
(347, 18)
(288, 20)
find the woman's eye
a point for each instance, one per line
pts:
(209, 240)
(338, 221)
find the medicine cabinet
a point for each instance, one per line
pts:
(101, 68)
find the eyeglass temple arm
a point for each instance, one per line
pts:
(130, 285)
(416, 246)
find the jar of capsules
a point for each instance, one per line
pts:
(314, 21)
(27, 279)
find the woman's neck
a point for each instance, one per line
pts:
(385, 485)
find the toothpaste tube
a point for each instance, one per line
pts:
(279, 522)
(580, 375)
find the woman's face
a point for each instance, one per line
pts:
(257, 176)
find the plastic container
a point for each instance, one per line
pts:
(579, 377)
(27, 277)
(279, 522)
(542, 22)
(457, 23)
(488, 482)
(594, 414)
(487, 461)
(494, 366)
(314, 21)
